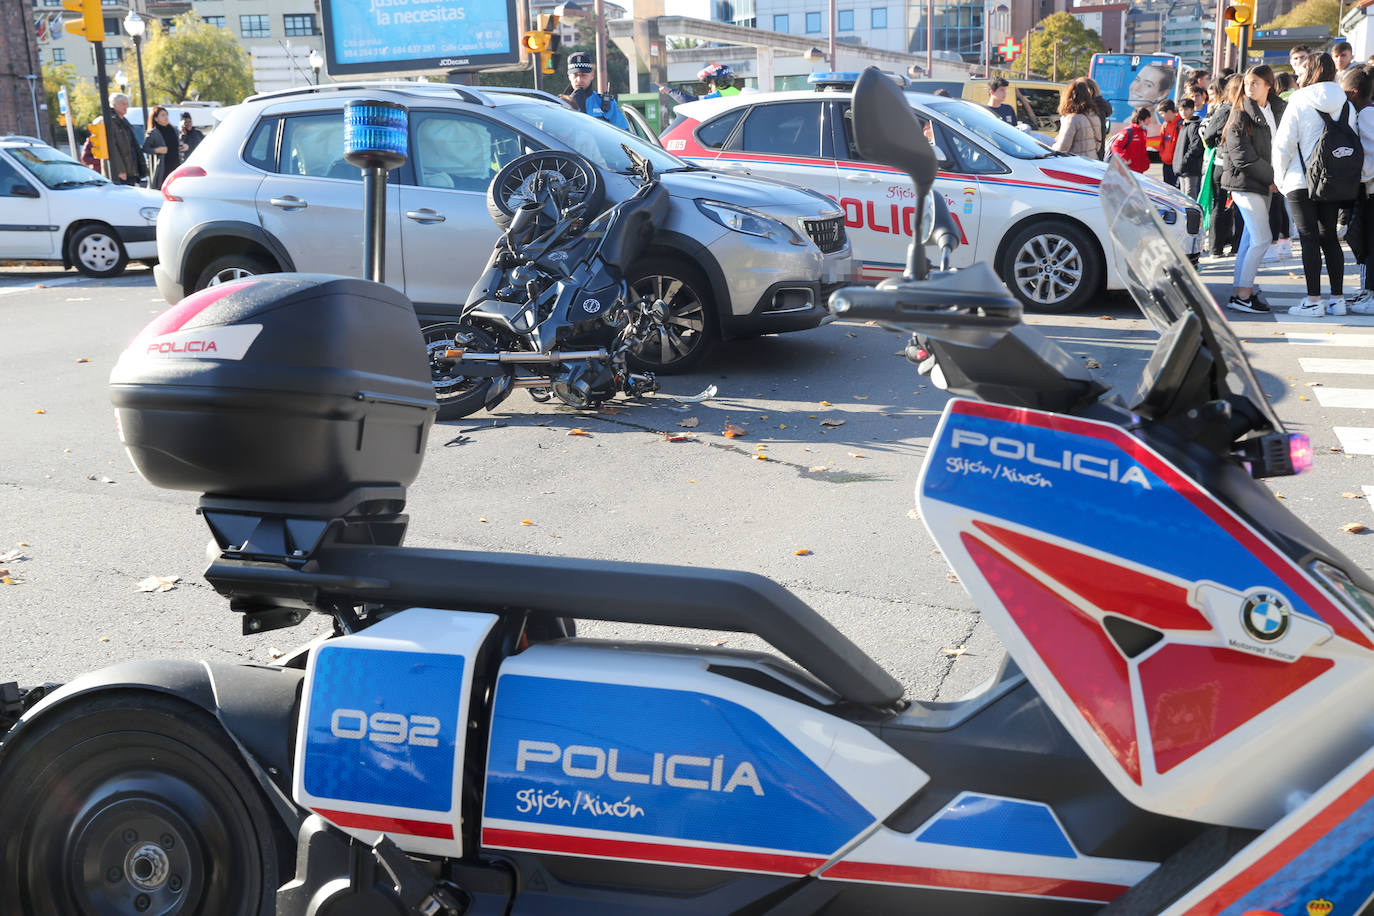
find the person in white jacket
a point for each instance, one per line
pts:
(1295, 142)
(1358, 83)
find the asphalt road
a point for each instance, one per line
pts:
(835, 426)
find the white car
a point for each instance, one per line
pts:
(56, 209)
(1032, 213)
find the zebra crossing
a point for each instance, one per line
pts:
(1355, 359)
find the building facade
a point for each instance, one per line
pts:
(21, 80)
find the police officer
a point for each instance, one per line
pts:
(587, 100)
(719, 80)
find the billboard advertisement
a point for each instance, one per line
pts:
(392, 36)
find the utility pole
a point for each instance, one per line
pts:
(930, 38)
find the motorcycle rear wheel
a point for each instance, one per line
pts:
(458, 395)
(124, 802)
(508, 190)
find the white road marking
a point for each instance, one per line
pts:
(1358, 398)
(1318, 339)
(1338, 366)
(58, 281)
(1355, 440)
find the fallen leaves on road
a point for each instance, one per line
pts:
(1334, 448)
(1348, 495)
(689, 423)
(956, 651)
(816, 469)
(158, 583)
(803, 552)
(8, 580)
(525, 521)
(99, 479)
(913, 513)
(760, 457)
(826, 404)
(1105, 318)
(10, 556)
(578, 432)
(677, 437)
(734, 432)
(1353, 528)
(40, 410)
(1092, 363)
(82, 359)
(832, 422)
(274, 653)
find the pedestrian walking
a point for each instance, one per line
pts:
(190, 134)
(1130, 142)
(163, 144)
(1278, 208)
(1358, 83)
(1080, 126)
(88, 158)
(1315, 111)
(1188, 150)
(1168, 139)
(126, 163)
(1248, 175)
(1218, 218)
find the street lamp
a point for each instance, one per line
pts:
(122, 79)
(814, 56)
(316, 62)
(135, 25)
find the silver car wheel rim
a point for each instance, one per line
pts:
(229, 274)
(98, 252)
(1048, 268)
(685, 327)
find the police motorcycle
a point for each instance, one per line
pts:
(552, 311)
(1181, 725)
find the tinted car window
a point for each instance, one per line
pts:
(9, 177)
(713, 135)
(785, 129)
(936, 135)
(313, 145)
(261, 149)
(460, 152)
(987, 127)
(1045, 104)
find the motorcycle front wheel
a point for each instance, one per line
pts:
(573, 176)
(134, 803)
(458, 395)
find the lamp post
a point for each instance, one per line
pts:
(122, 79)
(316, 62)
(33, 97)
(135, 25)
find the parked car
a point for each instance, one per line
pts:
(56, 209)
(1032, 213)
(269, 191)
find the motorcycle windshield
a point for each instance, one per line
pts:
(1165, 286)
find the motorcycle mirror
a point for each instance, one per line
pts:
(941, 230)
(886, 132)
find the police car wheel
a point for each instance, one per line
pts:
(120, 799)
(1052, 266)
(691, 327)
(581, 180)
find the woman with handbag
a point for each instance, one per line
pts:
(164, 144)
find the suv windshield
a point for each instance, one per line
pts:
(594, 138)
(54, 168)
(985, 125)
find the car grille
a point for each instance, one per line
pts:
(1194, 221)
(828, 234)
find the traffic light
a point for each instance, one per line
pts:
(91, 25)
(98, 147)
(1233, 35)
(543, 41)
(1239, 13)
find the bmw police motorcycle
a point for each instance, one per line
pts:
(1182, 724)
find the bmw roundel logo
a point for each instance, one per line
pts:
(1265, 616)
(591, 305)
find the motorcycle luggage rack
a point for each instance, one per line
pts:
(356, 558)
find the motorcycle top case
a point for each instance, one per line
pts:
(288, 386)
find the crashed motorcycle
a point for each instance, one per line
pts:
(552, 311)
(1181, 724)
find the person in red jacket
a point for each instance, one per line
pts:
(1129, 144)
(1168, 139)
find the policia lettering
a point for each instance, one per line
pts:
(682, 771)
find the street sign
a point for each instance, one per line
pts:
(1009, 49)
(62, 99)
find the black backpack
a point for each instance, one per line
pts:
(1333, 171)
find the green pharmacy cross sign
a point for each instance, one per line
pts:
(1009, 49)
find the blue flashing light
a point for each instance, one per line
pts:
(846, 80)
(376, 134)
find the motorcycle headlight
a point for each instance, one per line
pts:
(739, 219)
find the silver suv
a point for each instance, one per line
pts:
(268, 190)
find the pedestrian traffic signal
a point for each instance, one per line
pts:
(1239, 13)
(91, 25)
(98, 147)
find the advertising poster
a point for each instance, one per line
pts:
(389, 36)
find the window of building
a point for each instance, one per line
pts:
(878, 19)
(112, 55)
(844, 20)
(112, 26)
(255, 27)
(788, 129)
(300, 24)
(957, 26)
(813, 23)
(52, 3)
(59, 55)
(216, 21)
(780, 23)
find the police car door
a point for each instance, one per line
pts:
(880, 207)
(784, 140)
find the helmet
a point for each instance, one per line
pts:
(580, 62)
(718, 72)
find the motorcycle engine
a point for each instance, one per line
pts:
(585, 384)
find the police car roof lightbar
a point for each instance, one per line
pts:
(846, 80)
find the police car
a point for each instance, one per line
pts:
(1032, 213)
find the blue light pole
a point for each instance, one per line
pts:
(376, 140)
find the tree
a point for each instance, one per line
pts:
(1061, 47)
(83, 102)
(194, 56)
(1310, 13)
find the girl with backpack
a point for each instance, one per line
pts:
(1314, 148)
(1248, 174)
(1358, 83)
(1130, 143)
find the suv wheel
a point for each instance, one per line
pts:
(691, 327)
(96, 251)
(230, 267)
(1052, 266)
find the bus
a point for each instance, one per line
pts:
(1131, 81)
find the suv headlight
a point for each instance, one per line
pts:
(739, 219)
